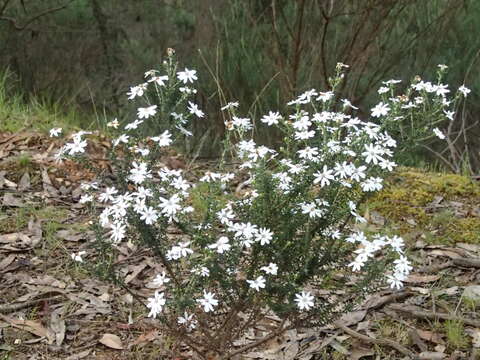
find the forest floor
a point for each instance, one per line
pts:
(51, 308)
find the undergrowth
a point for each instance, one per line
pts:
(18, 113)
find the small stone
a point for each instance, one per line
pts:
(429, 355)
(472, 293)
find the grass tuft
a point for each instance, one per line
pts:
(455, 332)
(18, 114)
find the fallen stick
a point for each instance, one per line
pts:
(377, 303)
(435, 267)
(8, 308)
(467, 262)
(423, 314)
(272, 335)
(464, 262)
(385, 342)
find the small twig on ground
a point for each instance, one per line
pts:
(259, 342)
(464, 262)
(385, 342)
(8, 308)
(423, 314)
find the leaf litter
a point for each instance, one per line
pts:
(50, 307)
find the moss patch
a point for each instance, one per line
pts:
(445, 208)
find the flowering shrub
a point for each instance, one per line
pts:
(274, 238)
(415, 117)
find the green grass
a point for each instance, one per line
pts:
(471, 304)
(17, 113)
(455, 332)
(17, 220)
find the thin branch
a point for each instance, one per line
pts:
(423, 314)
(259, 96)
(323, 48)
(28, 22)
(441, 157)
(467, 262)
(4, 6)
(297, 43)
(287, 25)
(385, 342)
(259, 342)
(7, 308)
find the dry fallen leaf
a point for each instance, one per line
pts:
(430, 336)
(7, 261)
(353, 317)
(417, 278)
(14, 237)
(339, 347)
(291, 350)
(70, 235)
(475, 334)
(429, 355)
(47, 184)
(112, 341)
(360, 353)
(145, 338)
(24, 183)
(469, 247)
(446, 253)
(35, 230)
(135, 270)
(57, 325)
(10, 200)
(260, 355)
(80, 355)
(449, 291)
(9, 183)
(31, 326)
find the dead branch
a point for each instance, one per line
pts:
(435, 267)
(384, 300)
(467, 262)
(259, 342)
(8, 308)
(384, 342)
(463, 262)
(423, 314)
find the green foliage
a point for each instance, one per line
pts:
(265, 52)
(267, 245)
